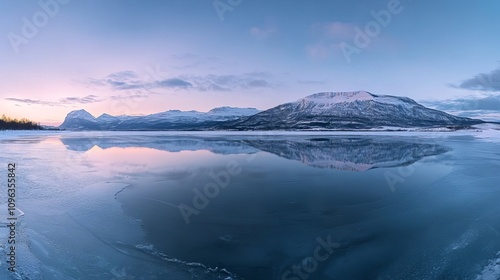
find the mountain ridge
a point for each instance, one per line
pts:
(355, 110)
(348, 111)
(171, 119)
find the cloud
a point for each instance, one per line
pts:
(329, 40)
(479, 107)
(490, 116)
(311, 82)
(129, 80)
(129, 83)
(262, 32)
(257, 84)
(81, 100)
(175, 82)
(253, 80)
(470, 103)
(482, 82)
(31, 101)
(319, 51)
(327, 37)
(335, 31)
(123, 75)
(61, 102)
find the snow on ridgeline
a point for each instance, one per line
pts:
(338, 97)
(332, 98)
(80, 114)
(172, 119)
(233, 111)
(357, 110)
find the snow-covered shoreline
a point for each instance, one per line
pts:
(11, 134)
(487, 130)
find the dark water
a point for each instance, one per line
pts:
(284, 207)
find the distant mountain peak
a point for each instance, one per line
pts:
(80, 111)
(171, 120)
(105, 115)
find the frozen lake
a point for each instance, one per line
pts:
(160, 205)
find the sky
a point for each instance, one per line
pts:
(138, 57)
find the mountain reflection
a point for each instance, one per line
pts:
(163, 143)
(351, 154)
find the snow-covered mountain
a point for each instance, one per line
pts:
(173, 119)
(320, 111)
(80, 120)
(106, 118)
(348, 110)
(81, 114)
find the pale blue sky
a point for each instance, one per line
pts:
(141, 57)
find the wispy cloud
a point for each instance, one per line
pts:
(253, 80)
(265, 31)
(129, 83)
(129, 80)
(469, 103)
(311, 82)
(481, 107)
(191, 60)
(327, 38)
(335, 31)
(482, 82)
(174, 82)
(61, 102)
(81, 100)
(490, 116)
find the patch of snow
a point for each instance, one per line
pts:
(490, 135)
(81, 114)
(107, 118)
(487, 126)
(338, 97)
(13, 134)
(398, 101)
(233, 111)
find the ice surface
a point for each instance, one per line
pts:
(96, 204)
(491, 271)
